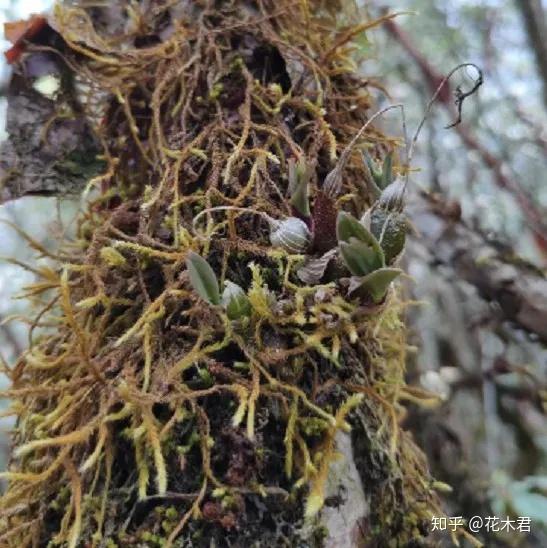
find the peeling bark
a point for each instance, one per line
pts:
(50, 148)
(519, 288)
(345, 516)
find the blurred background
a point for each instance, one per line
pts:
(478, 256)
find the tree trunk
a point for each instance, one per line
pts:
(158, 412)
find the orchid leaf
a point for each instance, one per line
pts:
(375, 173)
(387, 171)
(374, 284)
(360, 258)
(235, 301)
(299, 178)
(348, 227)
(390, 229)
(203, 278)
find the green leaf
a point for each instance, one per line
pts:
(527, 497)
(390, 229)
(387, 171)
(349, 227)
(235, 301)
(299, 178)
(202, 278)
(392, 197)
(360, 258)
(374, 284)
(375, 174)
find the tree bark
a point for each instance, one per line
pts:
(516, 286)
(51, 149)
(151, 416)
(533, 18)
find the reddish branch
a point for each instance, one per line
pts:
(433, 78)
(533, 17)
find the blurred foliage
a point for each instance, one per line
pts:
(507, 115)
(491, 420)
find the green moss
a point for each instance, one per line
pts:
(146, 408)
(216, 91)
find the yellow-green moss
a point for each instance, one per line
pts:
(143, 396)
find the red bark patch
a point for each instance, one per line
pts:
(18, 32)
(324, 222)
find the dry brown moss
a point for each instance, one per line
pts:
(147, 417)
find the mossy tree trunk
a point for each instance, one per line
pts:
(156, 412)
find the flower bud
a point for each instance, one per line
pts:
(291, 234)
(235, 301)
